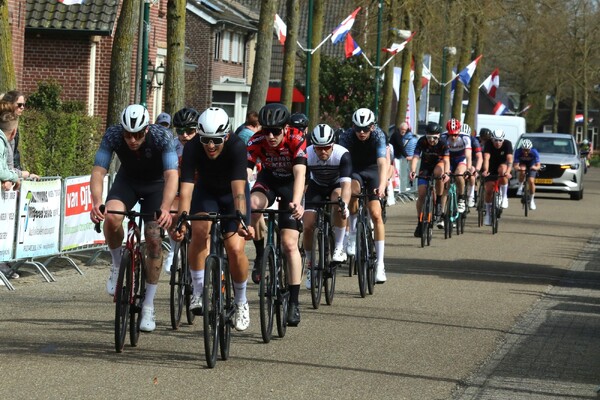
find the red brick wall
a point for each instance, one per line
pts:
(16, 15)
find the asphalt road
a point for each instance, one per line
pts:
(442, 313)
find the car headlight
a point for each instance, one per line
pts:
(574, 166)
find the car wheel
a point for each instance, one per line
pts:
(577, 195)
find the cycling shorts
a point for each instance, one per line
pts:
(316, 193)
(129, 191)
(456, 161)
(532, 173)
(204, 201)
(369, 178)
(272, 188)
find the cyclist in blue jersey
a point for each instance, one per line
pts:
(148, 174)
(527, 158)
(366, 143)
(329, 169)
(213, 179)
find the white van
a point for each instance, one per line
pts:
(513, 126)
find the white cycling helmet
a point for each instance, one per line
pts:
(322, 135)
(585, 142)
(213, 121)
(527, 145)
(363, 117)
(498, 134)
(134, 118)
(465, 129)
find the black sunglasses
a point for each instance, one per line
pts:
(187, 130)
(362, 129)
(135, 135)
(216, 140)
(21, 105)
(273, 131)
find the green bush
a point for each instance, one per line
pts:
(595, 161)
(56, 138)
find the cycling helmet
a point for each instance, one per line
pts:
(433, 128)
(585, 142)
(465, 129)
(299, 120)
(498, 134)
(527, 145)
(363, 117)
(274, 115)
(453, 126)
(322, 135)
(186, 117)
(134, 118)
(213, 122)
(485, 133)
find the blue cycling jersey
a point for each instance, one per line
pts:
(364, 153)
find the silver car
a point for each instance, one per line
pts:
(561, 166)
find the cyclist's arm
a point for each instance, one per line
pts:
(468, 154)
(169, 191)
(413, 165)
(299, 171)
(382, 168)
(486, 162)
(478, 160)
(96, 188)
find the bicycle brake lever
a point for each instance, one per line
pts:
(97, 224)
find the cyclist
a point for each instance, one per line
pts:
(527, 158)
(435, 161)
(497, 157)
(366, 143)
(213, 179)
(484, 135)
(148, 174)
(476, 163)
(329, 167)
(185, 122)
(586, 152)
(458, 140)
(300, 122)
(282, 151)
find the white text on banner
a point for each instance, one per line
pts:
(8, 210)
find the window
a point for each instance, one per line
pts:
(226, 46)
(217, 45)
(235, 43)
(549, 102)
(547, 129)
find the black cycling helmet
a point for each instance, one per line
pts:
(299, 120)
(485, 133)
(274, 115)
(433, 128)
(186, 117)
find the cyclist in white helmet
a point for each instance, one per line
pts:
(497, 161)
(527, 159)
(148, 174)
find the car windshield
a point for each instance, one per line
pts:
(553, 145)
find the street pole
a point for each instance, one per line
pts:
(378, 57)
(443, 89)
(308, 59)
(145, 41)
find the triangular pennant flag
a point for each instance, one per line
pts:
(492, 83)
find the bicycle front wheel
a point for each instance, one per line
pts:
(316, 272)
(139, 292)
(283, 296)
(372, 259)
(176, 299)
(330, 272)
(228, 311)
(526, 198)
(122, 299)
(211, 308)
(267, 293)
(495, 212)
(362, 258)
(480, 205)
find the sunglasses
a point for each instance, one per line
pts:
(135, 135)
(498, 140)
(273, 131)
(324, 148)
(362, 129)
(21, 105)
(432, 137)
(188, 130)
(216, 140)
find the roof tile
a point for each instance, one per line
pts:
(97, 16)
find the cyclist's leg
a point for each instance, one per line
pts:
(353, 208)
(489, 193)
(461, 168)
(313, 194)
(503, 182)
(422, 192)
(371, 181)
(260, 197)
(339, 225)
(531, 181)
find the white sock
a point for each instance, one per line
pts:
(379, 247)
(172, 251)
(339, 234)
(239, 289)
(197, 281)
(532, 196)
(471, 191)
(352, 221)
(520, 185)
(504, 190)
(150, 292)
(116, 259)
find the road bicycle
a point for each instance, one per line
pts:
(323, 270)
(131, 283)
(480, 201)
(426, 217)
(496, 209)
(526, 195)
(181, 283)
(452, 218)
(217, 298)
(273, 293)
(366, 256)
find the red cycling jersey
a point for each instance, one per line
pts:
(278, 161)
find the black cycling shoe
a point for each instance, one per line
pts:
(418, 231)
(293, 317)
(256, 271)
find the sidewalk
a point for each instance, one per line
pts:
(553, 351)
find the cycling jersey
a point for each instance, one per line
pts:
(148, 163)
(277, 161)
(497, 156)
(431, 155)
(364, 153)
(476, 148)
(530, 159)
(334, 170)
(458, 147)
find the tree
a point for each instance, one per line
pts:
(7, 68)
(388, 84)
(289, 54)
(313, 96)
(175, 69)
(262, 63)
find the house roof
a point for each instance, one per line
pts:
(95, 17)
(228, 12)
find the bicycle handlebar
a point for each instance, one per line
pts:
(128, 214)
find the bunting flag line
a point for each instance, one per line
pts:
(524, 110)
(342, 29)
(398, 47)
(466, 74)
(499, 108)
(352, 48)
(425, 76)
(492, 83)
(280, 29)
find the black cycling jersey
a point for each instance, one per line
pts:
(431, 155)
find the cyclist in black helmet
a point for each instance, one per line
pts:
(300, 122)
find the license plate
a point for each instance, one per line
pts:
(543, 181)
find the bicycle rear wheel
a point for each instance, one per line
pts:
(267, 293)
(480, 205)
(316, 272)
(526, 197)
(495, 212)
(283, 296)
(177, 293)
(139, 292)
(329, 274)
(447, 222)
(210, 306)
(361, 258)
(227, 313)
(122, 299)
(372, 259)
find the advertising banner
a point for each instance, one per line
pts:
(8, 209)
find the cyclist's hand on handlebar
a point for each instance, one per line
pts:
(247, 232)
(164, 219)
(412, 176)
(96, 214)
(445, 177)
(380, 191)
(485, 173)
(297, 210)
(178, 234)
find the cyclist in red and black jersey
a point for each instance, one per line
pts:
(281, 150)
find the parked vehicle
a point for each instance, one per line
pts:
(561, 169)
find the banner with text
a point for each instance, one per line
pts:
(8, 210)
(38, 218)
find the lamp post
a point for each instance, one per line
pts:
(155, 74)
(444, 94)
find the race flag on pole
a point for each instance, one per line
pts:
(466, 74)
(492, 83)
(340, 32)
(499, 108)
(352, 48)
(280, 28)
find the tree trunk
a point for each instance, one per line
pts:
(317, 33)
(472, 107)
(289, 55)
(464, 60)
(262, 63)
(175, 68)
(7, 68)
(385, 114)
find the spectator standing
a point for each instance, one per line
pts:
(18, 99)
(248, 128)
(164, 119)
(403, 142)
